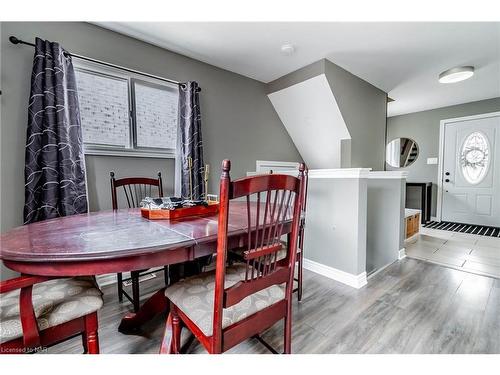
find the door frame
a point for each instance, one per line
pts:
(442, 126)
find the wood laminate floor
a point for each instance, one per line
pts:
(410, 307)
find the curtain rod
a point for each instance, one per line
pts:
(15, 40)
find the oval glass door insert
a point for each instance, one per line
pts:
(474, 158)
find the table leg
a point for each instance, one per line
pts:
(155, 305)
(134, 275)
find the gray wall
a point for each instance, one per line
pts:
(239, 121)
(364, 108)
(423, 127)
(385, 224)
(336, 233)
(98, 168)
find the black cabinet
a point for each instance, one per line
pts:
(425, 200)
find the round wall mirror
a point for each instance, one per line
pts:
(401, 152)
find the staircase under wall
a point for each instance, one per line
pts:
(335, 119)
(313, 120)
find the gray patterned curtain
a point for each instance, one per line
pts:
(191, 146)
(54, 165)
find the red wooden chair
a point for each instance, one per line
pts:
(37, 312)
(135, 189)
(300, 250)
(300, 247)
(237, 302)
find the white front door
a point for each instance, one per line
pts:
(471, 171)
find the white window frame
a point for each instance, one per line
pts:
(131, 150)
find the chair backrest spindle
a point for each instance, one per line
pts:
(135, 189)
(267, 221)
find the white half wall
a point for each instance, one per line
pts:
(312, 117)
(354, 222)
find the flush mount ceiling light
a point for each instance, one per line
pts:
(456, 74)
(287, 49)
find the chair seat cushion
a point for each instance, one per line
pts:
(54, 302)
(194, 296)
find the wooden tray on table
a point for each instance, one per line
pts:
(178, 213)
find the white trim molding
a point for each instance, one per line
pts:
(290, 173)
(388, 174)
(266, 166)
(328, 173)
(442, 126)
(128, 153)
(340, 173)
(402, 253)
(355, 281)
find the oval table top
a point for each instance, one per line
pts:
(117, 241)
(110, 234)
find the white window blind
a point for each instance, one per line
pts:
(126, 114)
(104, 109)
(155, 115)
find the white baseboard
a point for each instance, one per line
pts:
(355, 281)
(433, 218)
(402, 253)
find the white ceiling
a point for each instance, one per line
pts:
(403, 59)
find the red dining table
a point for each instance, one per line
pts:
(117, 241)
